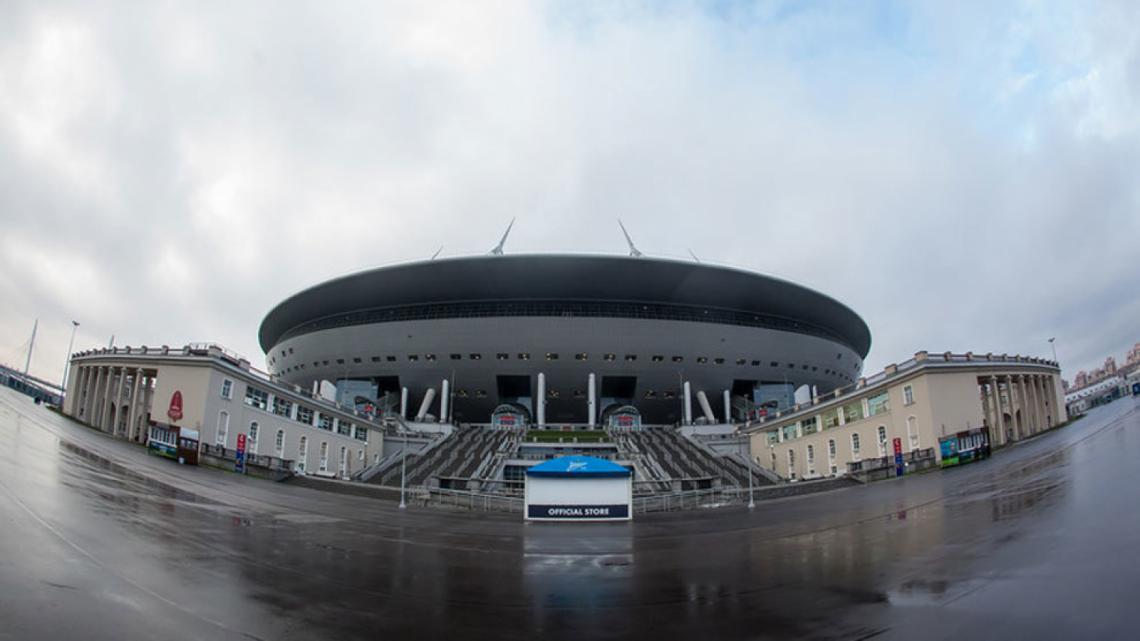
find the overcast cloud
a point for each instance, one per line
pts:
(966, 176)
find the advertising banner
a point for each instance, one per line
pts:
(900, 469)
(239, 459)
(619, 511)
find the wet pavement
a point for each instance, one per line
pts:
(100, 541)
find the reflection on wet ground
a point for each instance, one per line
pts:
(106, 542)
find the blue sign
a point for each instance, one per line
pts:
(899, 467)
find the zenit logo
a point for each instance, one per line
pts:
(575, 466)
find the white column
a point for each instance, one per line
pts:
(592, 403)
(132, 416)
(688, 404)
(443, 391)
(540, 401)
(706, 409)
(404, 403)
(74, 395)
(119, 401)
(108, 390)
(999, 424)
(426, 404)
(95, 406)
(727, 407)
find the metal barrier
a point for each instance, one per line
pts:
(465, 499)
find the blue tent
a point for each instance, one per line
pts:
(579, 467)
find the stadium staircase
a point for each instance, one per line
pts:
(675, 457)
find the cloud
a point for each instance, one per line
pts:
(965, 177)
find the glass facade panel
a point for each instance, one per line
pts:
(810, 425)
(879, 404)
(830, 418)
(853, 412)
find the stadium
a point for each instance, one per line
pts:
(565, 340)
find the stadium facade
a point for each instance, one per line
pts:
(565, 339)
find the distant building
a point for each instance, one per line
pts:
(918, 403)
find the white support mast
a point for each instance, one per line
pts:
(632, 249)
(31, 346)
(498, 250)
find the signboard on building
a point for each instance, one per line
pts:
(900, 469)
(239, 457)
(175, 409)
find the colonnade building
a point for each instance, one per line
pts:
(122, 390)
(920, 402)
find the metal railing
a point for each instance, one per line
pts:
(271, 463)
(467, 499)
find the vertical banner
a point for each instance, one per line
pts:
(239, 458)
(899, 468)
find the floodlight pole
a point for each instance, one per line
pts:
(403, 470)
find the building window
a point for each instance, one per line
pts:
(251, 445)
(343, 460)
(855, 444)
(810, 454)
(324, 421)
(878, 404)
(831, 447)
(344, 428)
(882, 440)
(282, 407)
(853, 412)
(831, 418)
(361, 434)
(223, 429)
(258, 398)
(908, 395)
(279, 444)
(809, 426)
(324, 466)
(791, 464)
(227, 388)
(304, 415)
(912, 432)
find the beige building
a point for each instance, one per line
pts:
(918, 402)
(121, 390)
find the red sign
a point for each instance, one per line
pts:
(898, 446)
(241, 442)
(175, 411)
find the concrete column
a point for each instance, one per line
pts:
(94, 406)
(443, 401)
(1022, 407)
(592, 403)
(132, 417)
(1035, 402)
(424, 406)
(686, 393)
(1046, 402)
(75, 395)
(727, 407)
(108, 390)
(706, 409)
(540, 401)
(842, 415)
(122, 384)
(999, 422)
(404, 403)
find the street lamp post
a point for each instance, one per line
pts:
(67, 363)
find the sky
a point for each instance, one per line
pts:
(964, 175)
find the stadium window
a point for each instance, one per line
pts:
(429, 357)
(579, 394)
(480, 393)
(340, 361)
(375, 359)
(502, 356)
(631, 357)
(609, 357)
(290, 351)
(552, 393)
(755, 363)
(669, 395)
(741, 361)
(805, 367)
(391, 359)
(551, 356)
(413, 357)
(702, 359)
(524, 356)
(718, 361)
(282, 353)
(791, 365)
(657, 358)
(581, 356)
(456, 357)
(678, 359)
(325, 363)
(773, 364)
(650, 394)
(356, 359)
(475, 357)
(814, 368)
(461, 393)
